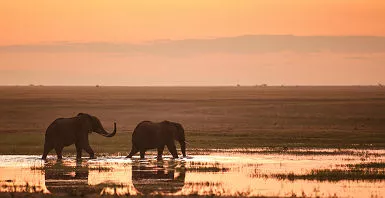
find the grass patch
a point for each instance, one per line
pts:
(375, 165)
(334, 175)
(207, 169)
(32, 144)
(213, 117)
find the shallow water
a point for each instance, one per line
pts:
(220, 173)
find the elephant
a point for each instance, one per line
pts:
(67, 131)
(150, 135)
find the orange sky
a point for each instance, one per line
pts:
(44, 22)
(122, 20)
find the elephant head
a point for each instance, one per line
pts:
(180, 137)
(93, 124)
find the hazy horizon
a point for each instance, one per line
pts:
(189, 86)
(199, 43)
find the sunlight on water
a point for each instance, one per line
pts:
(218, 173)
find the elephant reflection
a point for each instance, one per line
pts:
(159, 178)
(63, 179)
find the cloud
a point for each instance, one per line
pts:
(235, 45)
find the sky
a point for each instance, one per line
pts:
(192, 43)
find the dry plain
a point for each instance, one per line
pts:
(213, 117)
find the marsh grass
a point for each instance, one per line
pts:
(207, 169)
(370, 165)
(11, 187)
(210, 190)
(371, 171)
(335, 175)
(213, 117)
(32, 144)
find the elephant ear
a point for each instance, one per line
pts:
(179, 135)
(85, 122)
(177, 125)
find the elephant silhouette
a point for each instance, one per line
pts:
(67, 131)
(156, 135)
(163, 177)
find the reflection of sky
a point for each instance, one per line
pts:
(238, 177)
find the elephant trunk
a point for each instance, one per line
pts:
(183, 147)
(106, 134)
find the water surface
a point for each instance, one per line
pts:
(225, 173)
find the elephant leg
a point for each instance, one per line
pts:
(142, 152)
(47, 149)
(59, 150)
(160, 152)
(134, 150)
(172, 148)
(78, 151)
(89, 150)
